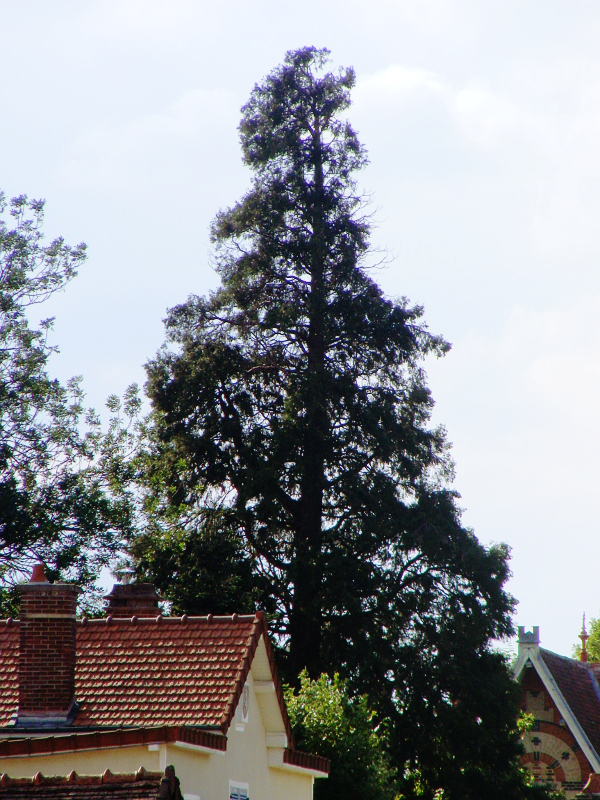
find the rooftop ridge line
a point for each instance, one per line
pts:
(210, 618)
(86, 780)
(184, 618)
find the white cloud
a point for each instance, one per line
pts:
(521, 405)
(138, 19)
(539, 126)
(117, 155)
(487, 119)
(524, 400)
(431, 17)
(396, 81)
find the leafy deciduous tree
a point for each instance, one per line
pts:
(56, 503)
(327, 720)
(592, 643)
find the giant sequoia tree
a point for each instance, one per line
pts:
(293, 407)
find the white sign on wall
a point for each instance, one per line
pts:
(238, 791)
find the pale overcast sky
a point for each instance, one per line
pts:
(482, 120)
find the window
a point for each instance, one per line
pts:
(238, 791)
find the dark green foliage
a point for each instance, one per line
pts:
(55, 503)
(326, 720)
(294, 400)
(200, 569)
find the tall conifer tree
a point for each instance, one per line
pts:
(294, 404)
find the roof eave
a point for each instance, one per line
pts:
(281, 758)
(106, 740)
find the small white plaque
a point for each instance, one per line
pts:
(238, 791)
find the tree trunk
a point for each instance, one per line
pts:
(306, 618)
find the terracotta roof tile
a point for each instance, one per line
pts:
(578, 683)
(141, 785)
(9, 670)
(172, 672)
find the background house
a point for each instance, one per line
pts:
(563, 696)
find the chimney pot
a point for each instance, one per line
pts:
(133, 600)
(39, 574)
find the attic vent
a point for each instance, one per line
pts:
(238, 791)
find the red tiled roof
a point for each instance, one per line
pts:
(176, 671)
(148, 672)
(578, 684)
(141, 785)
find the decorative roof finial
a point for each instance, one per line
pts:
(584, 636)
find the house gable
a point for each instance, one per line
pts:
(269, 697)
(552, 753)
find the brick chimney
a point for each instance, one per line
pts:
(133, 600)
(46, 651)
